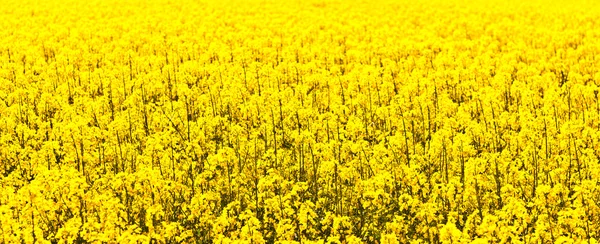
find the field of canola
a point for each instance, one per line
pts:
(313, 121)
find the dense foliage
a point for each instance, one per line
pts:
(261, 121)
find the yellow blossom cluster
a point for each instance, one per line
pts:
(299, 121)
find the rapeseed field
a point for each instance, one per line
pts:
(299, 121)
